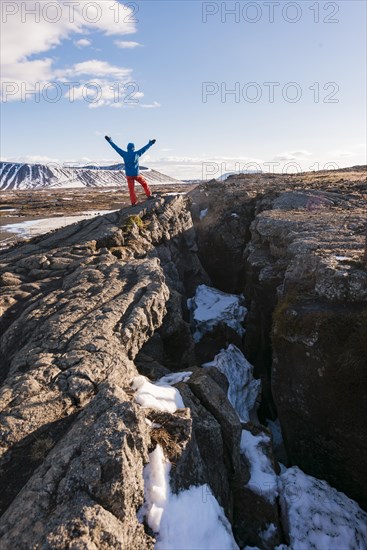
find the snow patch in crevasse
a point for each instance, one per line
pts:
(268, 533)
(174, 378)
(156, 488)
(191, 520)
(318, 516)
(210, 306)
(263, 480)
(243, 389)
(195, 521)
(161, 395)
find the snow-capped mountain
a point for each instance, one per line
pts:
(37, 176)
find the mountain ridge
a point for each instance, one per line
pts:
(15, 175)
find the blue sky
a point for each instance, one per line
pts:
(170, 55)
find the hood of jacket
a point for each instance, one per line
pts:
(131, 147)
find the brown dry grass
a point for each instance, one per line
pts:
(162, 437)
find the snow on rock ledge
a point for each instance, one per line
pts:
(210, 306)
(156, 488)
(263, 479)
(190, 520)
(174, 378)
(318, 516)
(243, 389)
(160, 396)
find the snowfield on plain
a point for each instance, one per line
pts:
(33, 228)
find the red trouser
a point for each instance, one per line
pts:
(143, 183)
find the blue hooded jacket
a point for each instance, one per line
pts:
(131, 157)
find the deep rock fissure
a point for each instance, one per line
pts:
(231, 273)
(301, 269)
(229, 480)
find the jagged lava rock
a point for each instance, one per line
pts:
(298, 257)
(78, 306)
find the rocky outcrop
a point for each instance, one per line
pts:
(318, 372)
(88, 488)
(77, 307)
(303, 275)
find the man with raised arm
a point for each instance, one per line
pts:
(131, 160)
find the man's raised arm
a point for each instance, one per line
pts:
(146, 147)
(121, 152)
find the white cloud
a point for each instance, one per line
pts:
(39, 70)
(353, 152)
(198, 161)
(204, 167)
(33, 27)
(214, 167)
(301, 154)
(154, 105)
(344, 154)
(283, 158)
(110, 88)
(82, 43)
(84, 161)
(95, 68)
(32, 159)
(25, 34)
(127, 45)
(292, 155)
(95, 82)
